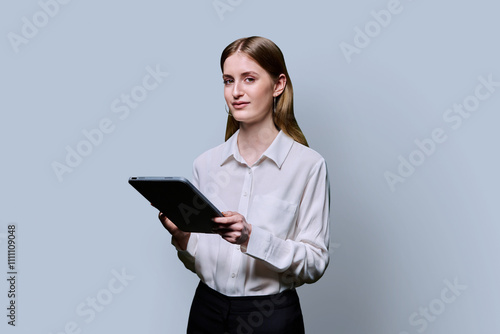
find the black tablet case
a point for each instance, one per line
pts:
(179, 200)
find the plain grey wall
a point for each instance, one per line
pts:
(402, 98)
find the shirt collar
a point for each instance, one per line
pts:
(277, 151)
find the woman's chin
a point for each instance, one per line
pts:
(240, 115)
(245, 119)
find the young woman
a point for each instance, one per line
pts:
(274, 193)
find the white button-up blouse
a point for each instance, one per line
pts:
(285, 196)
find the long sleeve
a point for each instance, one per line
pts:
(285, 197)
(304, 257)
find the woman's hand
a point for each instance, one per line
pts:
(180, 236)
(233, 228)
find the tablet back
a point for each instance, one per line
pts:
(179, 200)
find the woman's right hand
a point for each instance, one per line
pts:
(180, 236)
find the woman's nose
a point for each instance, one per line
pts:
(237, 92)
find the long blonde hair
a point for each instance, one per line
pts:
(270, 58)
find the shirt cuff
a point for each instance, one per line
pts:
(191, 245)
(260, 244)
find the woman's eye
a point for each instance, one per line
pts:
(228, 81)
(250, 79)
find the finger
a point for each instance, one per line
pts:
(229, 213)
(231, 226)
(228, 236)
(227, 229)
(228, 219)
(220, 229)
(221, 220)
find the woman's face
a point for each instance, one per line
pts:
(248, 89)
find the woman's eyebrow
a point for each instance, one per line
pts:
(249, 73)
(242, 74)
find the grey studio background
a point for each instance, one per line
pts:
(402, 98)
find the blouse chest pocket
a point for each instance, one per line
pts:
(274, 215)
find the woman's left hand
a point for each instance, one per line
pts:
(233, 228)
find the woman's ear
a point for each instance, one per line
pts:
(280, 85)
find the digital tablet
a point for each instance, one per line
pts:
(179, 200)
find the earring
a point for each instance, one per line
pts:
(227, 111)
(274, 105)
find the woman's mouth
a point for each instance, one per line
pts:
(240, 104)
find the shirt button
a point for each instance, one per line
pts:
(244, 193)
(249, 171)
(237, 247)
(233, 275)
